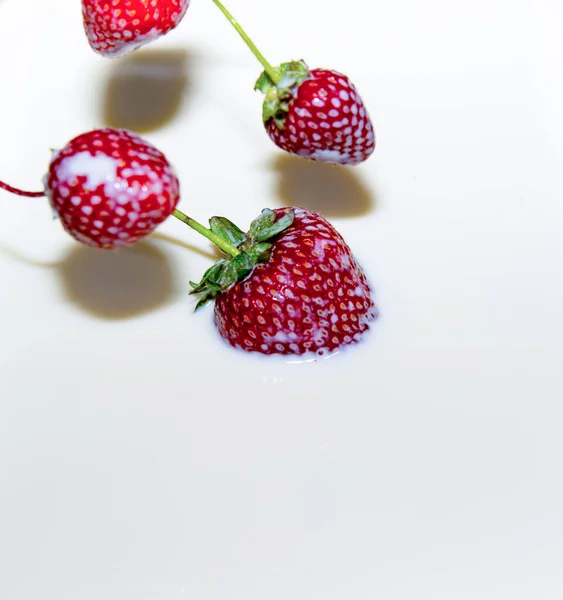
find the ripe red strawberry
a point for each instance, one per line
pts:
(117, 27)
(317, 114)
(306, 294)
(313, 113)
(109, 187)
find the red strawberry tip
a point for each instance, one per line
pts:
(278, 95)
(253, 248)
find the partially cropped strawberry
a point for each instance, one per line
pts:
(313, 113)
(293, 288)
(317, 114)
(109, 187)
(117, 27)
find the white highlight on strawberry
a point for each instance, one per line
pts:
(137, 41)
(285, 337)
(98, 170)
(329, 156)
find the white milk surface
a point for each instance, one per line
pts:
(141, 458)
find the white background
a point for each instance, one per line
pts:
(142, 459)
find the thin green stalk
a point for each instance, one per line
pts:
(222, 244)
(275, 77)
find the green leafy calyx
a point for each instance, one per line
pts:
(278, 96)
(254, 248)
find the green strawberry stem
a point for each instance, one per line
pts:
(19, 192)
(221, 243)
(272, 73)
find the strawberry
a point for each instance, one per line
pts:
(317, 114)
(313, 113)
(293, 287)
(121, 26)
(109, 187)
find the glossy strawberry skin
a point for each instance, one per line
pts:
(327, 121)
(116, 27)
(311, 296)
(111, 188)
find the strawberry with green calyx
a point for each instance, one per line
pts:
(289, 286)
(313, 113)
